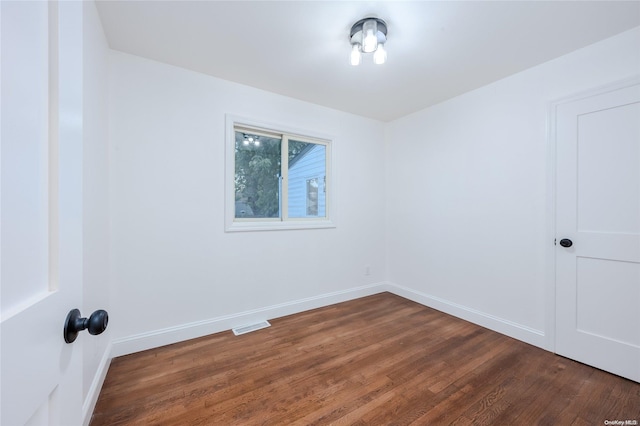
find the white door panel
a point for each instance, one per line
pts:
(25, 117)
(619, 322)
(598, 208)
(41, 199)
(608, 172)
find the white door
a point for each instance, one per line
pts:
(598, 210)
(41, 201)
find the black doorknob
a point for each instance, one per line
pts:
(565, 242)
(96, 323)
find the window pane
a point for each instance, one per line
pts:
(306, 188)
(257, 177)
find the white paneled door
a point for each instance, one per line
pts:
(41, 201)
(598, 230)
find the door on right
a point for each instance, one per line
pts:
(598, 230)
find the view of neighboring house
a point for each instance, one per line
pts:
(307, 195)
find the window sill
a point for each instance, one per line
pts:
(245, 226)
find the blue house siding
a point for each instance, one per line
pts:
(304, 172)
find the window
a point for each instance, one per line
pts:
(276, 179)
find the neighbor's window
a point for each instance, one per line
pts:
(312, 197)
(280, 180)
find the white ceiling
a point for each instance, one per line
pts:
(436, 49)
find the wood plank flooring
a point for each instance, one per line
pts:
(379, 360)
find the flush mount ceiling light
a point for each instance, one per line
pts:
(368, 35)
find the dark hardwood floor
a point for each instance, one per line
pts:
(379, 360)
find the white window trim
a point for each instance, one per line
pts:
(270, 224)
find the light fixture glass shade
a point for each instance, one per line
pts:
(369, 36)
(380, 55)
(356, 56)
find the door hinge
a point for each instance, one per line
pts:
(554, 241)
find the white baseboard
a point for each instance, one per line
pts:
(500, 325)
(166, 336)
(96, 385)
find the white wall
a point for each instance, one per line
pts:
(96, 349)
(175, 272)
(467, 192)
